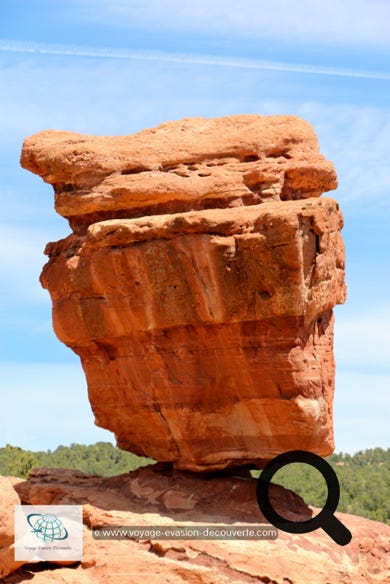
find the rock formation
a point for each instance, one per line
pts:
(198, 284)
(8, 499)
(152, 496)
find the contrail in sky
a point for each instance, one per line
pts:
(189, 58)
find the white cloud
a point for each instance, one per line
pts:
(30, 48)
(356, 138)
(118, 96)
(96, 96)
(115, 97)
(359, 23)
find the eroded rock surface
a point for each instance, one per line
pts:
(8, 499)
(198, 284)
(153, 496)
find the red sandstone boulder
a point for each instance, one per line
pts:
(198, 284)
(194, 163)
(8, 499)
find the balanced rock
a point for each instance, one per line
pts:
(198, 284)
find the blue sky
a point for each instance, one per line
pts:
(115, 67)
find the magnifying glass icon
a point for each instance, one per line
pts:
(325, 519)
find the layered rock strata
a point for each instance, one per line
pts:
(151, 497)
(198, 284)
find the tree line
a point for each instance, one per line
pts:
(364, 476)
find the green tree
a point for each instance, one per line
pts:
(17, 462)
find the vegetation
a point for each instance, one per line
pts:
(364, 477)
(364, 483)
(101, 458)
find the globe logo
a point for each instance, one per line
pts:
(47, 527)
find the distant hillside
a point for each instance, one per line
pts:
(364, 477)
(364, 483)
(101, 458)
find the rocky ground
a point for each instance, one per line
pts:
(158, 495)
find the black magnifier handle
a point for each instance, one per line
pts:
(336, 530)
